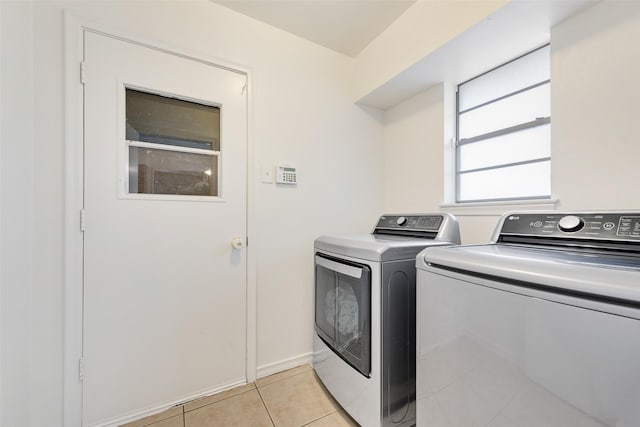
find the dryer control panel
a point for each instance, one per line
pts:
(439, 227)
(410, 222)
(574, 225)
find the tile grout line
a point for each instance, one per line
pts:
(319, 418)
(265, 405)
(151, 423)
(184, 410)
(255, 387)
(282, 379)
(334, 411)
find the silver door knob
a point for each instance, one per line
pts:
(237, 243)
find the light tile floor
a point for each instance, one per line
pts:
(292, 398)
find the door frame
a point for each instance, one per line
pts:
(74, 30)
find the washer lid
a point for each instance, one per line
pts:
(375, 247)
(615, 277)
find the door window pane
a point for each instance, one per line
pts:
(158, 171)
(173, 145)
(164, 120)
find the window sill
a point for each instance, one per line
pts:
(498, 208)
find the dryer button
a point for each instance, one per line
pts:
(570, 223)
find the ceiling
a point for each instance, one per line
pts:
(346, 26)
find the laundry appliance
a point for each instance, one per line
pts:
(540, 327)
(364, 340)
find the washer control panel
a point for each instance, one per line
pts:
(410, 222)
(609, 226)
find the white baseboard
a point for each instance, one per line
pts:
(156, 409)
(283, 365)
(262, 371)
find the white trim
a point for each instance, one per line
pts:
(283, 365)
(180, 51)
(73, 239)
(1, 210)
(252, 293)
(497, 208)
(169, 197)
(123, 148)
(156, 409)
(167, 147)
(152, 91)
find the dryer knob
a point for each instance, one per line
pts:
(570, 223)
(401, 221)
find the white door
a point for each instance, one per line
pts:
(164, 290)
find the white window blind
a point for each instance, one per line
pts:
(503, 147)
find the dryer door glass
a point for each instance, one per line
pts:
(326, 303)
(343, 309)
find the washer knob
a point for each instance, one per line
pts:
(401, 221)
(570, 223)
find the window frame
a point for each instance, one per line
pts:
(538, 121)
(124, 149)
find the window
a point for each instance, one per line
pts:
(173, 145)
(503, 147)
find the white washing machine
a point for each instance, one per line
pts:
(541, 327)
(364, 341)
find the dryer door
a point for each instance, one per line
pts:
(343, 309)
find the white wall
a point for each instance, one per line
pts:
(17, 215)
(302, 114)
(420, 31)
(418, 161)
(595, 126)
(413, 151)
